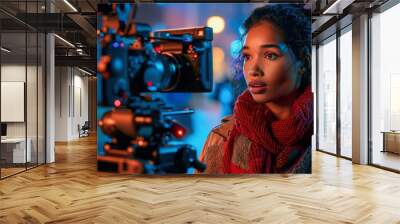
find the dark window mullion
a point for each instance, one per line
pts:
(37, 90)
(369, 100)
(0, 95)
(26, 86)
(338, 73)
(317, 97)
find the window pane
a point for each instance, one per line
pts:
(41, 98)
(385, 85)
(14, 153)
(31, 97)
(327, 96)
(345, 94)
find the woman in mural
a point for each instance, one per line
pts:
(272, 123)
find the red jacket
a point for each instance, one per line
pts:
(213, 152)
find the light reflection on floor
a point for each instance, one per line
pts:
(386, 159)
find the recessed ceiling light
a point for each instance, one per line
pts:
(65, 41)
(5, 49)
(86, 72)
(70, 5)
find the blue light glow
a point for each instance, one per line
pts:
(117, 65)
(236, 47)
(241, 30)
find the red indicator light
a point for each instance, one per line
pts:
(157, 49)
(149, 84)
(178, 130)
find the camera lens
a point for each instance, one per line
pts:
(160, 73)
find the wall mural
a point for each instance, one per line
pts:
(168, 73)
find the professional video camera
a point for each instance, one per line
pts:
(134, 61)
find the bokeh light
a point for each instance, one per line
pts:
(218, 54)
(218, 64)
(217, 23)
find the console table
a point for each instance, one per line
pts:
(391, 141)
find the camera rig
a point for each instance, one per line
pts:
(133, 62)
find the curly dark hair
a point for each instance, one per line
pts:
(295, 22)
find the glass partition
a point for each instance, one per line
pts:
(385, 89)
(13, 103)
(22, 88)
(31, 99)
(345, 92)
(327, 95)
(41, 91)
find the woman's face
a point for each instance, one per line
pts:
(270, 67)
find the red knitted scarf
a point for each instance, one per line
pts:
(272, 141)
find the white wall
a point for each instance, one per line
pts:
(71, 94)
(12, 73)
(61, 103)
(80, 89)
(34, 106)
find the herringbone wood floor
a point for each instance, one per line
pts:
(71, 191)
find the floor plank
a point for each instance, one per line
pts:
(72, 191)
